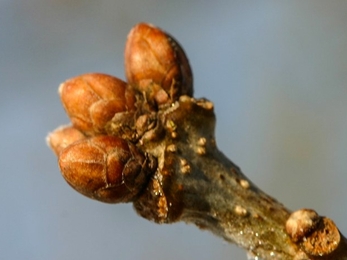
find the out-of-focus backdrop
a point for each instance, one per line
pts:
(276, 70)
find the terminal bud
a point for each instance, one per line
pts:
(156, 64)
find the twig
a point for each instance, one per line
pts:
(151, 143)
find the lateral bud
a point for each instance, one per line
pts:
(62, 137)
(106, 168)
(91, 100)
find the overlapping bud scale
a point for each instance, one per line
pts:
(93, 156)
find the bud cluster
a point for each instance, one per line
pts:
(100, 155)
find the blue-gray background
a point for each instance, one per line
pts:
(276, 70)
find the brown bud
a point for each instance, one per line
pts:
(62, 137)
(106, 168)
(156, 64)
(91, 100)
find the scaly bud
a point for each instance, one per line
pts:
(91, 100)
(156, 64)
(106, 168)
(62, 137)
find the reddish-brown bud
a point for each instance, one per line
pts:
(106, 168)
(62, 137)
(91, 100)
(156, 64)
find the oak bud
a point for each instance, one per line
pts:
(156, 64)
(62, 137)
(91, 100)
(106, 168)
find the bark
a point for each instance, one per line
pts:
(196, 183)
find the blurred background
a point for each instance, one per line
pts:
(276, 71)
